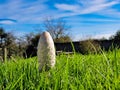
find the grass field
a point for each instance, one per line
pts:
(72, 72)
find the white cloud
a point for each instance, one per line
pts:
(86, 7)
(67, 7)
(103, 35)
(88, 3)
(110, 13)
(7, 22)
(34, 12)
(99, 1)
(23, 11)
(96, 36)
(99, 7)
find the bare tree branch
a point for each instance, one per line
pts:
(57, 28)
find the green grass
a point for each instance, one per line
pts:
(71, 72)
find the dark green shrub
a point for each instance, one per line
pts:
(90, 46)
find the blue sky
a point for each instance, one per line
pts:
(88, 18)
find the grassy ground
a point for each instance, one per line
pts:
(72, 72)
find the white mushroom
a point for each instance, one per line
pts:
(46, 51)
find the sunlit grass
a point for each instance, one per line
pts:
(71, 72)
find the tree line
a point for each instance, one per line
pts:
(26, 46)
(21, 46)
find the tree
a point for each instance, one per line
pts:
(28, 37)
(35, 40)
(3, 35)
(117, 35)
(63, 39)
(11, 45)
(7, 43)
(31, 47)
(57, 28)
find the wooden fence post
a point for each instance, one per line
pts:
(4, 54)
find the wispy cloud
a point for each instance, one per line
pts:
(89, 16)
(95, 36)
(103, 35)
(96, 8)
(7, 21)
(67, 7)
(113, 13)
(35, 11)
(86, 7)
(23, 11)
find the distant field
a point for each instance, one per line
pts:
(72, 72)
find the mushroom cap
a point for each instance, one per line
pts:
(46, 51)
